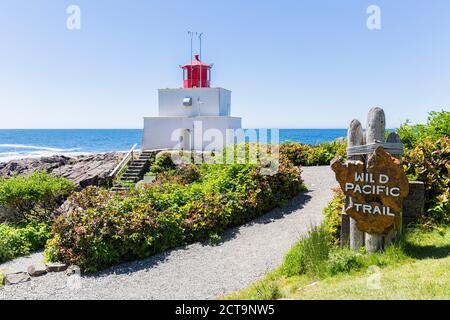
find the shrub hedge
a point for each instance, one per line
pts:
(333, 216)
(34, 197)
(429, 162)
(437, 126)
(313, 155)
(21, 240)
(107, 228)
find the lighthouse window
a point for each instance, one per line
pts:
(187, 102)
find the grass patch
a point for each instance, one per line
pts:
(416, 267)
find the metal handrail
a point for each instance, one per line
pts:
(123, 163)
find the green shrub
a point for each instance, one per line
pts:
(429, 162)
(333, 216)
(107, 228)
(163, 162)
(183, 174)
(316, 155)
(344, 260)
(21, 240)
(33, 197)
(438, 126)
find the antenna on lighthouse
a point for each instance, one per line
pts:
(191, 34)
(201, 68)
(200, 39)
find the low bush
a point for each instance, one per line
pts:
(344, 260)
(106, 228)
(316, 155)
(163, 162)
(21, 240)
(429, 162)
(34, 197)
(437, 127)
(333, 216)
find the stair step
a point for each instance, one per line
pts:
(138, 164)
(136, 168)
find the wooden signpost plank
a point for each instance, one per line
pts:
(355, 137)
(373, 182)
(376, 126)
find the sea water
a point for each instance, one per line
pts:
(21, 143)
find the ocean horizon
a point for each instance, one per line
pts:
(35, 143)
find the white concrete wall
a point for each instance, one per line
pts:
(205, 102)
(164, 132)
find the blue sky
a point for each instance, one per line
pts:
(290, 64)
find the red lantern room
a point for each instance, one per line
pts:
(197, 74)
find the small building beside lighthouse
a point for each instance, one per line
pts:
(191, 117)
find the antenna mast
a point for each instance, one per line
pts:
(191, 34)
(201, 67)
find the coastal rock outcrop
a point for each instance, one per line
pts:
(86, 170)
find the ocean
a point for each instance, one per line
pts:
(20, 143)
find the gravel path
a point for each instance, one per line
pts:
(197, 271)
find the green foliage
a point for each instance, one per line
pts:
(317, 257)
(438, 126)
(163, 162)
(108, 228)
(429, 162)
(309, 255)
(21, 240)
(184, 174)
(344, 260)
(316, 155)
(333, 216)
(267, 290)
(34, 197)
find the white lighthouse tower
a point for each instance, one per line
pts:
(192, 117)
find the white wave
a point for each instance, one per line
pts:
(10, 156)
(23, 146)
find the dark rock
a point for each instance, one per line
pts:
(56, 267)
(16, 278)
(28, 166)
(84, 170)
(91, 170)
(37, 270)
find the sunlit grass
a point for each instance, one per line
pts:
(416, 267)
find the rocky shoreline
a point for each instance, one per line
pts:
(85, 170)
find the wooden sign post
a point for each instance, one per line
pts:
(373, 182)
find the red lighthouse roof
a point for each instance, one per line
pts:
(196, 62)
(196, 74)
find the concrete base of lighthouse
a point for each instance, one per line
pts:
(201, 133)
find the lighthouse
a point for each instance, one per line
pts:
(193, 117)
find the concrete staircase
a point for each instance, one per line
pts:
(135, 171)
